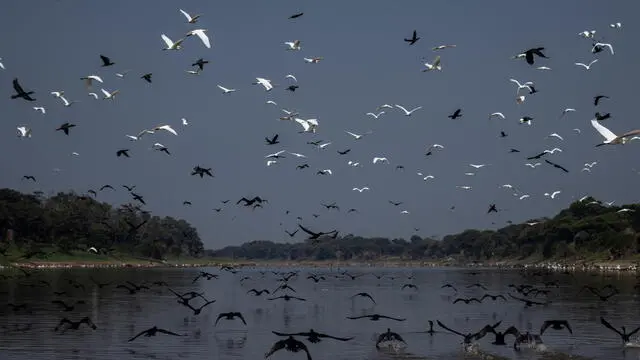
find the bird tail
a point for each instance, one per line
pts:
(15, 96)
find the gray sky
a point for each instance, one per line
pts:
(366, 63)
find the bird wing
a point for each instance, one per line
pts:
(307, 230)
(241, 318)
(168, 332)
(448, 329)
(220, 316)
(545, 325)
(279, 345)
(186, 15)
(402, 108)
(606, 324)
(512, 331)
(606, 133)
(630, 133)
(334, 337)
(203, 37)
(357, 317)
(283, 334)
(139, 334)
(166, 40)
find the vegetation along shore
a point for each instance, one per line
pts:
(69, 230)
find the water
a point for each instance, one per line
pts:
(119, 315)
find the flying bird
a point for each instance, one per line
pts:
(106, 61)
(588, 67)
(200, 33)
(20, 93)
(413, 38)
(609, 137)
(190, 19)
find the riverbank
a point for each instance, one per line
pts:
(605, 266)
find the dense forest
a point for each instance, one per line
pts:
(587, 229)
(39, 226)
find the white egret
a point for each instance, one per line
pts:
(291, 77)
(526, 85)
(380, 160)
(309, 125)
(588, 67)
(170, 44)
(90, 79)
(40, 109)
(95, 96)
(109, 95)
(24, 131)
(190, 19)
(360, 189)
(184, 122)
(166, 128)
(555, 135)
(610, 137)
(293, 45)
(434, 66)
(375, 116)
(597, 47)
(408, 113)
(533, 166)
(496, 114)
(264, 82)
(200, 33)
(225, 90)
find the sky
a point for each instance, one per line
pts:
(365, 63)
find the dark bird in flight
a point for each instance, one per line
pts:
(596, 99)
(295, 16)
(600, 293)
(345, 152)
(601, 117)
(492, 208)
(395, 203)
(514, 151)
(292, 88)
(106, 61)
(29, 177)
(467, 301)
(388, 336)
(477, 285)
(413, 39)
(138, 197)
(410, 286)
(312, 336)
(303, 166)
(289, 344)
(153, 332)
(206, 275)
(529, 302)
(532, 90)
(316, 278)
(556, 165)
(374, 317)
(449, 286)
(200, 63)
(287, 297)
(65, 127)
(186, 203)
(364, 294)
(107, 186)
(129, 188)
(470, 337)
(292, 234)
(273, 140)
(499, 336)
(197, 170)
(315, 235)
(258, 292)
(555, 325)
(535, 157)
(122, 152)
(20, 93)
(493, 297)
(196, 311)
(75, 325)
(230, 316)
(456, 114)
(249, 202)
(626, 337)
(503, 134)
(528, 55)
(66, 307)
(146, 77)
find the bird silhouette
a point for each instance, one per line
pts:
(230, 316)
(153, 332)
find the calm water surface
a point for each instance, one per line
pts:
(119, 315)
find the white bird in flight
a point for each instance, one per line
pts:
(590, 165)
(271, 102)
(408, 113)
(167, 128)
(271, 162)
(109, 95)
(555, 135)
(478, 166)
(57, 94)
(293, 45)
(464, 187)
(170, 45)
(24, 131)
(441, 47)
(532, 165)
(565, 111)
(613, 26)
(190, 19)
(384, 106)
(496, 114)
(553, 194)
(428, 177)
(588, 67)
(95, 96)
(200, 33)
(609, 137)
(225, 90)
(526, 85)
(588, 34)
(66, 102)
(122, 74)
(264, 82)
(308, 125)
(375, 116)
(313, 60)
(552, 151)
(89, 79)
(520, 99)
(1, 64)
(598, 45)
(381, 160)
(434, 66)
(291, 77)
(40, 109)
(184, 122)
(524, 196)
(356, 136)
(298, 155)
(543, 68)
(360, 189)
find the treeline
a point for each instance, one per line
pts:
(37, 225)
(584, 230)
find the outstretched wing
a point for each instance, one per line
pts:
(606, 133)
(168, 332)
(545, 325)
(279, 345)
(512, 331)
(17, 87)
(334, 337)
(307, 230)
(606, 324)
(137, 336)
(449, 329)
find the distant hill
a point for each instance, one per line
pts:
(585, 230)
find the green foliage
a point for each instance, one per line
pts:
(584, 230)
(66, 222)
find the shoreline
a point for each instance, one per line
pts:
(603, 266)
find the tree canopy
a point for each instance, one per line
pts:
(66, 222)
(585, 229)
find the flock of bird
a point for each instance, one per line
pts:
(538, 289)
(309, 126)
